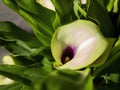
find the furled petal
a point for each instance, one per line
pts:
(46, 3)
(77, 45)
(101, 60)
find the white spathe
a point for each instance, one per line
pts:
(82, 35)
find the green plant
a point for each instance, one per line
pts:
(50, 58)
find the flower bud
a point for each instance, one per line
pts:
(46, 3)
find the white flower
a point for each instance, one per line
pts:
(77, 45)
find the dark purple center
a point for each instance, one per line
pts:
(67, 54)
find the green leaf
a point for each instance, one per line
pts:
(40, 78)
(27, 74)
(13, 86)
(64, 9)
(25, 87)
(10, 32)
(16, 40)
(17, 47)
(18, 60)
(12, 4)
(38, 17)
(47, 53)
(42, 51)
(98, 13)
(15, 72)
(47, 64)
(79, 8)
(108, 4)
(65, 80)
(57, 22)
(22, 60)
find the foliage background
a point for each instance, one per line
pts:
(37, 72)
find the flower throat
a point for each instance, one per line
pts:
(67, 55)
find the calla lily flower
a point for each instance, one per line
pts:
(77, 45)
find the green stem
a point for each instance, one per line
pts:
(77, 9)
(76, 2)
(82, 11)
